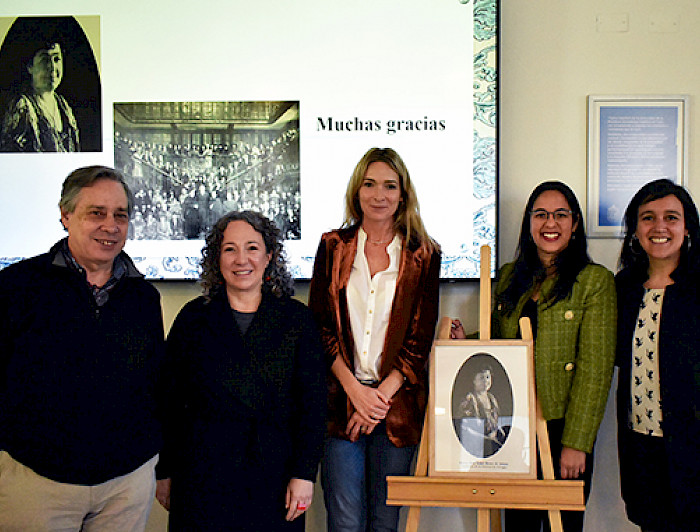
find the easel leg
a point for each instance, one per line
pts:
(547, 465)
(413, 519)
(496, 520)
(543, 439)
(483, 520)
(555, 521)
(421, 471)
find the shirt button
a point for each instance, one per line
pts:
(569, 366)
(569, 315)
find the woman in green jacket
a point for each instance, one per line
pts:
(571, 304)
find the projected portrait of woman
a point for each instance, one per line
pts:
(481, 420)
(50, 88)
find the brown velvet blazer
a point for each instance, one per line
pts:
(409, 336)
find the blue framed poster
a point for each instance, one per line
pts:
(631, 140)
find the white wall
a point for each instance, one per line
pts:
(552, 57)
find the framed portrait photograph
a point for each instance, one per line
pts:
(482, 409)
(632, 140)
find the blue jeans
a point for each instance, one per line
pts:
(353, 476)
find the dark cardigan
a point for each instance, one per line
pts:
(77, 381)
(679, 369)
(246, 413)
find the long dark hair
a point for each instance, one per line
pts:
(633, 256)
(528, 269)
(276, 279)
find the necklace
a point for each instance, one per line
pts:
(382, 232)
(378, 243)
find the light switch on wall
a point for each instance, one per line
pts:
(612, 22)
(664, 23)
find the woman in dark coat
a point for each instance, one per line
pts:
(659, 358)
(246, 412)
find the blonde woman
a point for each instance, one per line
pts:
(374, 294)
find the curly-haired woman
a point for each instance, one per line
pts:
(246, 402)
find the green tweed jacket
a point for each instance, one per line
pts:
(574, 350)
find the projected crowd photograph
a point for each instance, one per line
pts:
(188, 163)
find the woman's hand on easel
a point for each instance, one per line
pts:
(457, 331)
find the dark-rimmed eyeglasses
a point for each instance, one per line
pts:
(560, 215)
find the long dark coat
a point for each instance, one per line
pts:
(679, 376)
(246, 414)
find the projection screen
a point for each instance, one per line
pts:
(263, 104)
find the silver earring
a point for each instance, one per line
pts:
(631, 244)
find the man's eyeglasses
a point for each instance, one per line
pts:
(560, 215)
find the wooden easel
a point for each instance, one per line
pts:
(488, 496)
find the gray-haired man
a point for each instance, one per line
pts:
(81, 345)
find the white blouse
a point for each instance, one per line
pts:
(369, 305)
